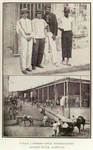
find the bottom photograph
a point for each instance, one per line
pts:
(46, 106)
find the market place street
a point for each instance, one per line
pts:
(37, 130)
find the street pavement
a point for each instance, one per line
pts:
(80, 61)
(57, 112)
(12, 130)
(79, 73)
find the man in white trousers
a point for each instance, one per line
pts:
(52, 30)
(62, 103)
(25, 41)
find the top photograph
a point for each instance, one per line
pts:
(46, 38)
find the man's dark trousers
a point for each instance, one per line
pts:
(66, 41)
(38, 51)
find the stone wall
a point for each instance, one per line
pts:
(5, 87)
(81, 30)
(10, 16)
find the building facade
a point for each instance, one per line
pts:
(6, 87)
(77, 92)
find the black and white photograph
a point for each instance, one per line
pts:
(46, 87)
(46, 38)
(53, 106)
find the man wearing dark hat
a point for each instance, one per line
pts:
(65, 25)
(38, 27)
(25, 40)
(52, 30)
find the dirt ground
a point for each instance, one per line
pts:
(10, 129)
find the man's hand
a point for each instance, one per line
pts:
(34, 40)
(29, 38)
(27, 33)
(72, 33)
(61, 29)
(54, 37)
(46, 27)
(45, 40)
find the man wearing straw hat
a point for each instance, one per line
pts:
(25, 40)
(66, 25)
(38, 27)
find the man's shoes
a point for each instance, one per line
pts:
(24, 71)
(28, 69)
(39, 66)
(63, 62)
(56, 64)
(33, 68)
(68, 64)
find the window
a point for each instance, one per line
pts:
(32, 7)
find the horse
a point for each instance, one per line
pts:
(79, 121)
(25, 118)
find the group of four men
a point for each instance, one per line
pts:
(32, 37)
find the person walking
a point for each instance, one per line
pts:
(14, 113)
(25, 40)
(60, 126)
(38, 27)
(56, 128)
(45, 120)
(65, 26)
(20, 106)
(10, 113)
(52, 30)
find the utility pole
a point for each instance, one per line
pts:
(69, 96)
(80, 94)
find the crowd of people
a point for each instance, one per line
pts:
(14, 108)
(36, 36)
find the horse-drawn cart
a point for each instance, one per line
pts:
(66, 131)
(69, 129)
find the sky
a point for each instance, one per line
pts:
(17, 83)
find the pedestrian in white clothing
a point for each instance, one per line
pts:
(65, 125)
(73, 118)
(52, 30)
(62, 104)
(45, 119)
(56, 127)
(25, 40)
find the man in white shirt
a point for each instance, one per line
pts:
(25, 41)
(65, 125)
(73, 118)
(65, 25)
(38, 27)
(56, 127)
(62, 104)
(45, 119)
